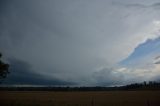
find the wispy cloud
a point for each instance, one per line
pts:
(157, 60)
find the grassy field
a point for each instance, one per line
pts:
(110, 98)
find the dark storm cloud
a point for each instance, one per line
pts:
(71, 39)
(22, 73)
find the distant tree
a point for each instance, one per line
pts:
(145, 83)
(3, 69)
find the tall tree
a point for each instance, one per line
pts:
(3, 69)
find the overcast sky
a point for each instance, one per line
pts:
(80, 42)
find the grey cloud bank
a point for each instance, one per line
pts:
(73, 40)
(23, 74)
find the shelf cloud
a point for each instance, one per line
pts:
(80, 42)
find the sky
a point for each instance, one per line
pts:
(80, 42)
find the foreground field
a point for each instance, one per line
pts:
(110, 98)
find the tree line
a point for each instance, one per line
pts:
(151, 85)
